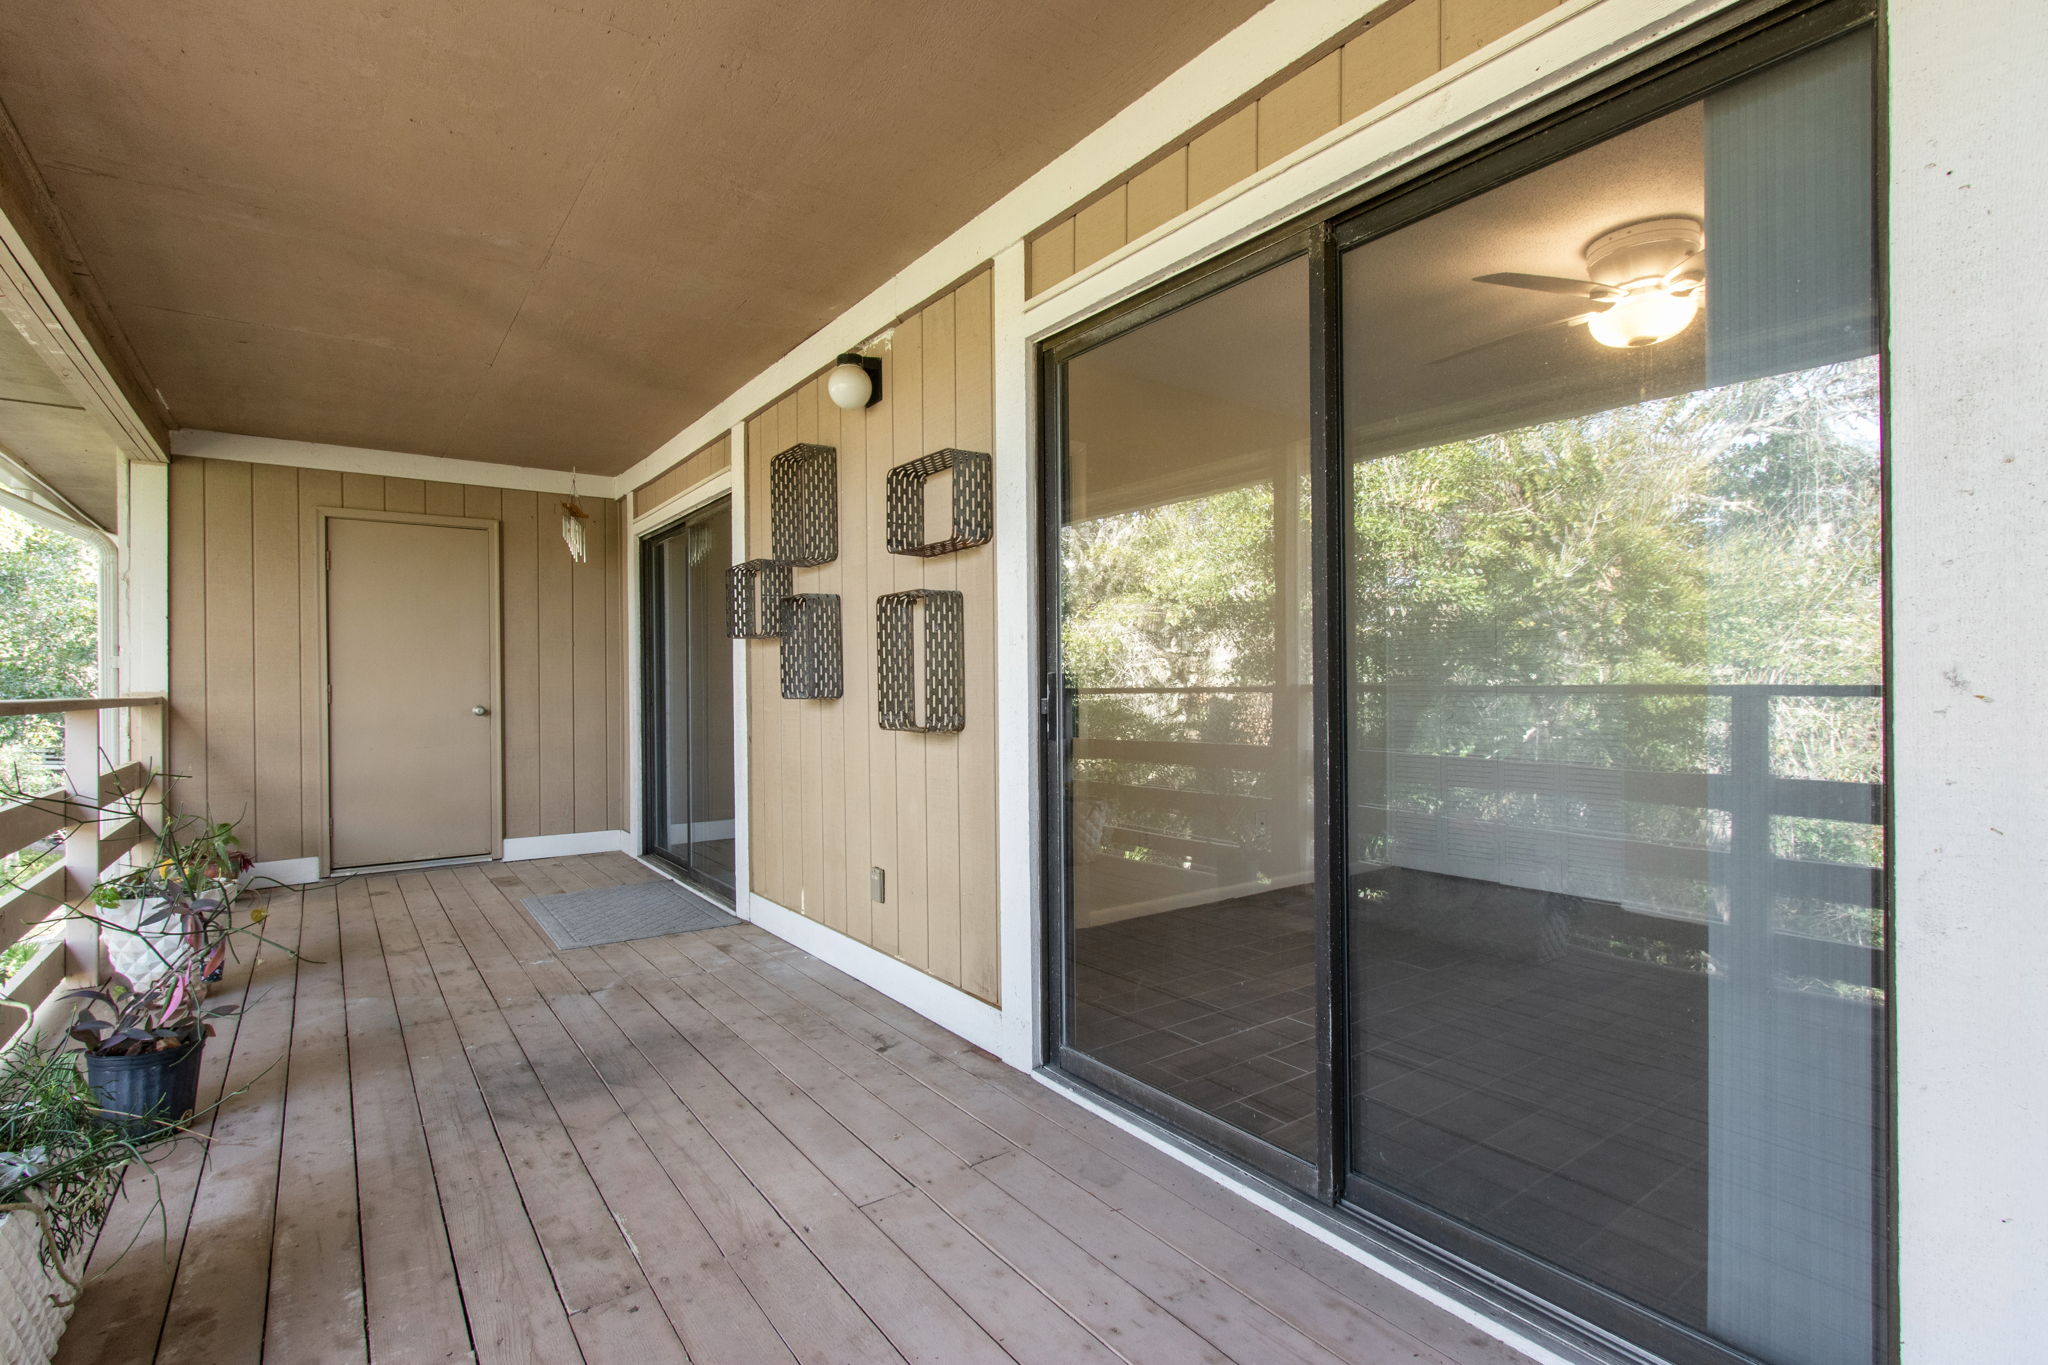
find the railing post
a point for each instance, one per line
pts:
(82, 842)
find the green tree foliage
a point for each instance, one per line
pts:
(49, 631)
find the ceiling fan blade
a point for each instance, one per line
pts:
(1573, 321)
(1549, 284)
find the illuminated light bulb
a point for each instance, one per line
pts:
(1647, 314)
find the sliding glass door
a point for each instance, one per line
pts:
(1574, 971)
(687, 776)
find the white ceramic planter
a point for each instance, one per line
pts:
(139, 956)
(34, 1302)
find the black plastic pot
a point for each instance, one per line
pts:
(138, 1095)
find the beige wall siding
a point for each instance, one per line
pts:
(245, 649)
(683, 475)
(1399, 45)
(833, 794)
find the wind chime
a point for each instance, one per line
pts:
(573, 517)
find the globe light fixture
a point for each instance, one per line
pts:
(855, 382)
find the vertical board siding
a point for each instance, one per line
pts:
(832, 793)
(1400, 45)
(712, 458)
(246, 705)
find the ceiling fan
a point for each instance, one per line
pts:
(1647, 280)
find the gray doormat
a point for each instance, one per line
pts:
(616, 914)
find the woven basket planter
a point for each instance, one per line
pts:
(35, 1303)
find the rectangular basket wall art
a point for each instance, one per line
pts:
(803, 505)
(754, 592)
(973, 503)
(811, 666)
(943, 656)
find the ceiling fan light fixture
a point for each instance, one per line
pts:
(1644, 317)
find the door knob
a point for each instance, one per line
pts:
(479, 710)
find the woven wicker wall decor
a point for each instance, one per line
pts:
(973, 503)
(812, 669)
(754, 592)
(943, 657)
(803, 505)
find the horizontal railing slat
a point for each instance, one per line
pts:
(27, 821)
(30, 904)
(57, 706)
(115, 843)
(32, 985)
(124, 780)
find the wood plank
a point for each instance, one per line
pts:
(1224, 155)
(443, 499)
(317, 488)
(619, 560)
(1157, 195)
(364, 491)
(555, 773)
(914, 1313)
(521, 593)
(279, 776)
(1469, 25)
(612, 1310)
(1394, 54)
(1229, 1238)
(212, 1318)
(230, 756)
(814, 1316)
(849, 797)
(185, 734)
(713, 1312)
(404, 495)
(942, 750)
(1052, 256)
(980, 929)
(1100, 227)
(909, 877)
(412, 1308)
(1221, 1314)
(880, 577)
(587, 641)
(27, 821)
(316, 1256)
(1300, 109)
(135, 1258)
(826, 776)
(514, 1307)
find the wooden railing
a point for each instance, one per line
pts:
(1747, 794)
(96, 732)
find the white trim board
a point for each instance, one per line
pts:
(567, 845)
(290, 871)
(979, 1022)
(390, 464)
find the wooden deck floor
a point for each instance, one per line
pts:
(446, 1140)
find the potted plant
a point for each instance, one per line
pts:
(177, 905)
(59, 1168)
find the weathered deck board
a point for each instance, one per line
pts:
(455, 1139)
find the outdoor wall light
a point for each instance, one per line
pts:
(855, 382)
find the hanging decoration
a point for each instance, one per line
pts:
(573, 517)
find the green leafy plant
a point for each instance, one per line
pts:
(58, 1163)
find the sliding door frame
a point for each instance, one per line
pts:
(1735, 44)
(654, 719)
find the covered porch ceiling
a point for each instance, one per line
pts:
(549, 234)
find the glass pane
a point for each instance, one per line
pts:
(1616, 729)
(1183, 562)
(694, 825)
